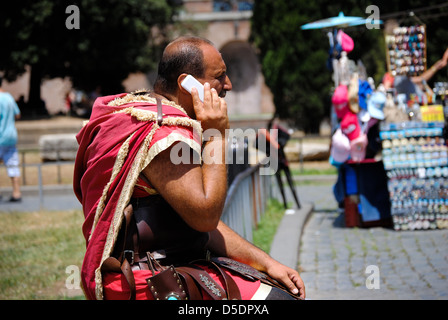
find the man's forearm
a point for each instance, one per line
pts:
(214, 169)
(226, 242)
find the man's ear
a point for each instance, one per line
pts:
(181, 78)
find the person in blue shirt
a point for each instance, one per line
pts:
(9, 112)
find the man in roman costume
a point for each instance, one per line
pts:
(146, 215)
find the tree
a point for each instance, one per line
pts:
(99, 47)
(294, 61)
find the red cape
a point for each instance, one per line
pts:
(117, 143)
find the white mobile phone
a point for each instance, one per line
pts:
(190, 82)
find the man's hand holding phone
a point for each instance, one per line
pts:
(212, 110)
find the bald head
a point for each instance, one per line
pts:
(183, 55)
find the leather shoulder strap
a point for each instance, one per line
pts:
(111, 264)
(159, 112)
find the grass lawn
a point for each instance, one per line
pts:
(35, 249)
(264, 234)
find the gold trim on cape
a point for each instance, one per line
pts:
(147, 115)
(133, 98)
(122, 154)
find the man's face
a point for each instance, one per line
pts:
(215, 71)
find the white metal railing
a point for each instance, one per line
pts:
(246, 201)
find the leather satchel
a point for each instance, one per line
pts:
(165, 285)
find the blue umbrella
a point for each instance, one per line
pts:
(339, 21)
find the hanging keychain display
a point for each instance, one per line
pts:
(406, 51)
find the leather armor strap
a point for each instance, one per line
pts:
(159, 112)
(193, 291)
(231, 288)
(111, 264)
(123, 263)
(203, 279)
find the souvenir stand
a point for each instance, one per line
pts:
(361, 188)
(390, 142)
(413, 137)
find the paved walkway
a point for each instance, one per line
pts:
(57, 197)
(343, 263)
